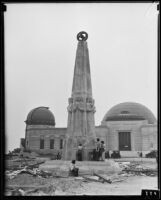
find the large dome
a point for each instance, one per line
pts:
(40, 116)
(129, 111)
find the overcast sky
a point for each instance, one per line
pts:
(40, 49)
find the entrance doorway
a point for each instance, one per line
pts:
(124, 141)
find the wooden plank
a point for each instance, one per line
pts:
(118, 180)
(101, 177)
(92, 179)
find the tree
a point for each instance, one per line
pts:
(17, 150)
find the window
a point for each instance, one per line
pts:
(61, 143)
(125, 112)
(51, 143)
(41, 143)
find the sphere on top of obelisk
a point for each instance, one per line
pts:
(82, 78)
(82, 36)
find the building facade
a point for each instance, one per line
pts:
(128, 127)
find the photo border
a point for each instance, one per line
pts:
(3, 9)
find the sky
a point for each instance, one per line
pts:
(40, 50)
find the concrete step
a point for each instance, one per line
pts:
(129, 154)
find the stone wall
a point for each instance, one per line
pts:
(149, 137)
(35, 133)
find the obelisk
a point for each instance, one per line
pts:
(81, 109)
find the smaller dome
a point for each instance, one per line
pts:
(40, 116)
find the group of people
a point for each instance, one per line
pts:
(58, 156)
(99, 151)
(98, 154)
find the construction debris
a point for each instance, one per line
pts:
(104, 179)
(141, 171)
(92, 178)
(32, 180)
(137, 169)
(27, 190)
(28, 168)
(128, 169)
(22, 162)
(34, 172)
(118, 180)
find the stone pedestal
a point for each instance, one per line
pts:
(71, 147)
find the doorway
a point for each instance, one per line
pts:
(124, 141)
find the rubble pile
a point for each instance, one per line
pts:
(21, 162)
(10, 174)
(137, 169)
(29, 185)
(25, 173)
(34, 190)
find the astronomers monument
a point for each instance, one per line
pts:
(81, 109)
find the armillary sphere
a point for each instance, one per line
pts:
(82, 36)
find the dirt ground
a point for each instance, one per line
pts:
(70, 186)
(130, 185)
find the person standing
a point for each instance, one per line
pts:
(58, 157)
(80, 152)
(98, 145)
(102, 151)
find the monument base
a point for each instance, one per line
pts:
(61, 167)
(72, 155)
(71, 148)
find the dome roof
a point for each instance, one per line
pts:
(40, 116)
(129, 111)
